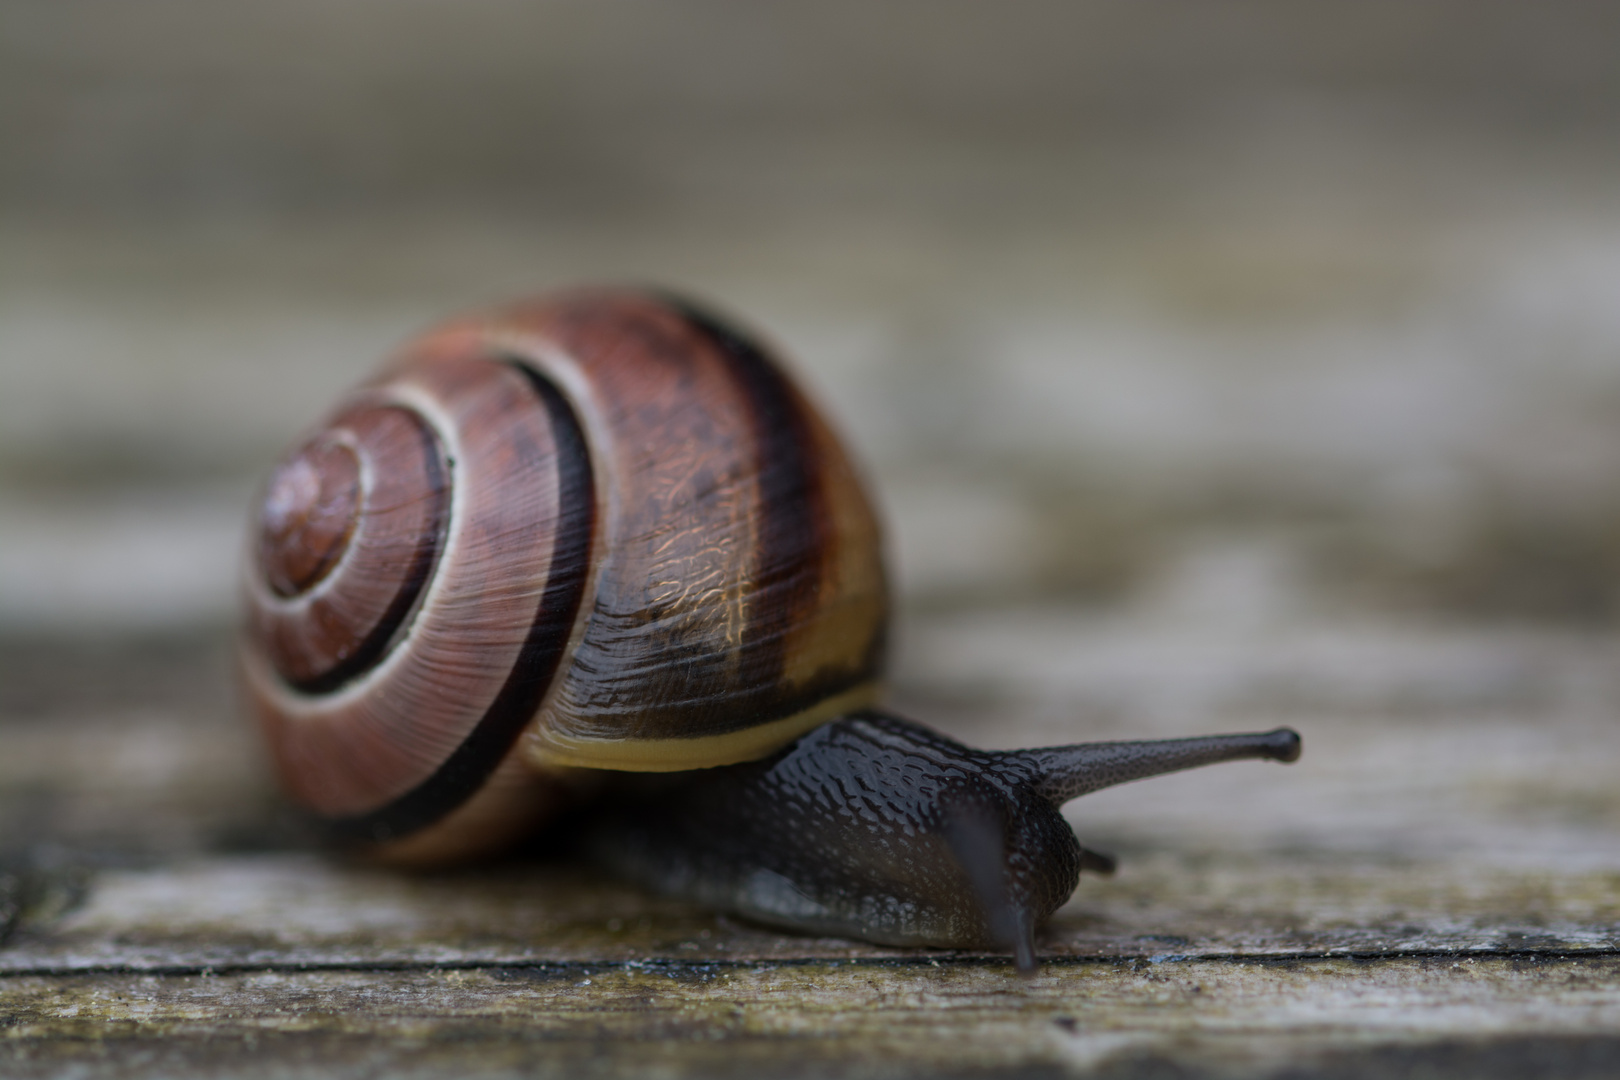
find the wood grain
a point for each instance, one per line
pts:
(1431, 890)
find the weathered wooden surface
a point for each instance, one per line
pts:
(1435, 886)
(1477, 1016)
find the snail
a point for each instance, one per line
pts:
(601, 534)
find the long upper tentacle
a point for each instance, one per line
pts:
(1068, 772)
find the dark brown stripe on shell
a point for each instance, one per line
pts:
(471, 764)
(792, 529)
(376, 643)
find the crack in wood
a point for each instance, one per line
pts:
(774, 963)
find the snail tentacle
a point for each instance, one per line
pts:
(1067, 772)
(1098, 862)
(976, 833)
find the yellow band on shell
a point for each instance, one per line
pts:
(550, 748)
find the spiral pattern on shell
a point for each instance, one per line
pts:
(598, 530)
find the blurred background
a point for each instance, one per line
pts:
(1207, 359)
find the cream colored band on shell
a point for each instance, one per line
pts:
(548, 748)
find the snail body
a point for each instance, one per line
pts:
(604, 531)
(875, 827)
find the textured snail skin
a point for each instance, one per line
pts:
(876, 827)
(602, 533)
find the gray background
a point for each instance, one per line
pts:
(1281, 304)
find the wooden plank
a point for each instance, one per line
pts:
(301, 910)
(1432, 888)
(1187, 1017)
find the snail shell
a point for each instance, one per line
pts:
(598, 530)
